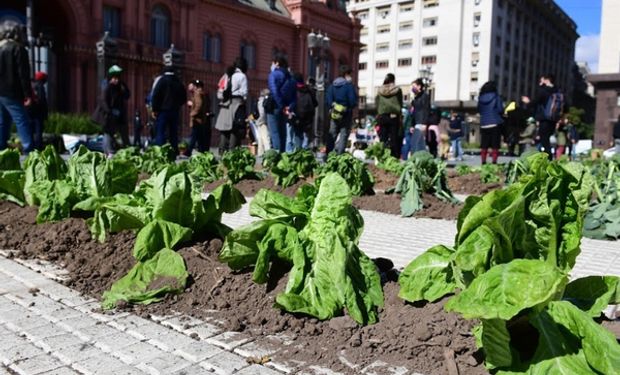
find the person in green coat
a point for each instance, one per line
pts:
(389, 101)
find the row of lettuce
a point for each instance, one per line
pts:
(508, 268)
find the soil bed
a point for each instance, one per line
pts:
(417, 337)
(470, 184)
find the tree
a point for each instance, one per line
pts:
(576, 117)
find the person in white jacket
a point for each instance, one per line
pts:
(262, 130)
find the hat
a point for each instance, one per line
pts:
(40, 76)
(115, 70)
(198, 83)
(531, 120)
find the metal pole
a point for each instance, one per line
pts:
(30, 35)
(320, 89)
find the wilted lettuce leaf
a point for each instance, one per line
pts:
(156, 235)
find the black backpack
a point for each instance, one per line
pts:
(304, 108)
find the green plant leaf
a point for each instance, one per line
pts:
(592, 294)
(156, 235)
(495, 340)
(428, 277)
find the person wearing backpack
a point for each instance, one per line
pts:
(282, 89)
(490, 107)
(389, 102)
(547, 106)
(341, 99)
(573, 139)
(231, 119)
(302, 113)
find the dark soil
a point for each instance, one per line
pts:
(417, 337)
(470, 184)
(249, 188)
(434, 208)
(383, 180)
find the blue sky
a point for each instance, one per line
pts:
(587, 15)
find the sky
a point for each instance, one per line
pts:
(587, 15)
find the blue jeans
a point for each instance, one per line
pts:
(413, 142)
(456, 148)
(294, 138)
(13, 109)
(277, 130)
(339, 131)
(167, 121)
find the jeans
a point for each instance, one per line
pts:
(617, 141)
(13, 109)
(37, 133)
(413, 142)
(545, 130)
(200, 137)
(338, 134)
(167, 121)
(277, 130)
(456, 149)
(295, 137)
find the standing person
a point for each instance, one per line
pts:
(137, 129)
(432, 131)
(38, 111)
(303, 113)
(15, 88)
(389, 102)
(419, 111)
(168, 97)
(543, 111)
(573, 139)
(263, 140)
(341, 99)
(561, 136)
(282, 95)
(490, 107)
(527, 136)
(516, 115)
(616, 135)
(231, 121)
(455, 130)
(198, 117)
(112, 109)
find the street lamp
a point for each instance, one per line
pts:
(106, 50)
(426, 73)
(318, 45)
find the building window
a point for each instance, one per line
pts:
(364, 31)
(383, 12)
(112, 21)
(247, 50)
(474, 77)
(498, 60)
(429, 22)
(362, 66)
(383, 64)
(362, 15)
(363, 49)
(476, 39)
(405, 62)
(431, 3)
(498, 41)
(475, 58)
(383, 29)
(429, 41)
(382, 47)
(426, 60)
(405, 44)
(406, 7)
(404, 26)
(211, 48)
(160, 27)
(477, 18)
(500, 21)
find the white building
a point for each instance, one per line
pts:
(464, 43)
(609, 53)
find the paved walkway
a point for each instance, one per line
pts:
(47, 328)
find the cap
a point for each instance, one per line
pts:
(40, 76)
(531, 120)
(198, 83)
(115, 70)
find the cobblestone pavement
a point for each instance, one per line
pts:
(47, 328)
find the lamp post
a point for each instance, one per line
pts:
(426, 73)
(318, 45)
(106, 50)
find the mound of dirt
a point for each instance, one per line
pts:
(434, 208)
(249, 188)
(383, 179)
(470, 184)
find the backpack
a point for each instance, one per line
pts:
(337, 112)
(305, 105)
(554, 107)
(390, 104)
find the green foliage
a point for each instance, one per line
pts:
(317, 233)
(11, 177)
(463, 169)
(603, 218)
(384, 159)
(239, 164)
(156, 158)
(422, 174)
(513, 252)
(43, 165)
(576, 117)
(288, 168)
(490, 173)
(69, 123)
(354, 171)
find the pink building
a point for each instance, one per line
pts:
(210, 34)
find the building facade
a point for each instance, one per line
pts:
(210, 34)
(607, 81)
(461, 44)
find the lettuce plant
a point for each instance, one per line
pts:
(317, 233)
(354, 171)
(43, 165)
(239, 164)
(11, 177)
(512, 257)
(603, 218)
(288, 168)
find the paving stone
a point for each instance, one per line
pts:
(16, 313)
(77, 353)
(193, 370)
(161, 318)
(128, 322)
(58, 342)
(318, 370)
(230, 340)
(163, 364)
(198, 351)
(88, 307)
(287, 367)
(181, 323)
(224, 363)
(6, 304)
(137, 352)
(77, 300)
(45, 305)
(27, 322)
(258, 349)
(36, 364)
(257, 370)
(115, 341)
(204, 331)
(43, 332)
(61, 371)
(20, 351)
(162, 337)
(94, 332)
(74, 324)
(62, 314)
(100, 364)
(127, 370)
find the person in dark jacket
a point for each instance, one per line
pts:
(417, 121)
(303, 111)
(282, 97)
(432, 131)
(546, 127)
(200, 118)
(617, 135)
(389, 102)
(38, 111)
(113, 108)
(168, 97)
(490, 107)
(516, 115)
(341, 100)
(455, 130)
(15, 88)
